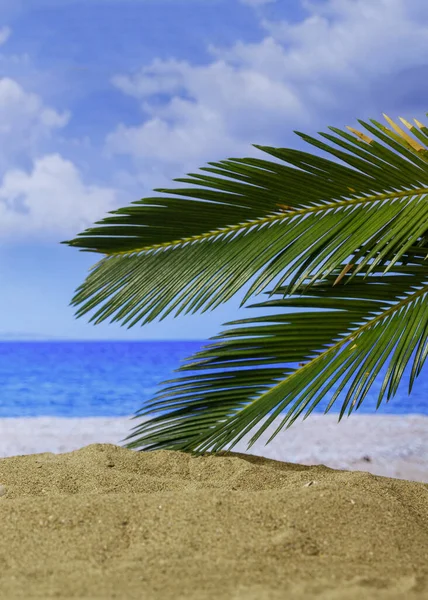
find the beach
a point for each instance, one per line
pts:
(396, 446)
(326, 511)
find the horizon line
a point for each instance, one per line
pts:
(41, 339)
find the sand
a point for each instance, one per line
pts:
(82, 517)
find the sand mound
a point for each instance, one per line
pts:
(107, 522)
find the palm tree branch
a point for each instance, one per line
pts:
(129, 281)
(214, 408)
(328, 362)
(169, 243)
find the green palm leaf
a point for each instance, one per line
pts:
(368, 321)
(260, 219)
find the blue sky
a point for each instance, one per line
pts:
(103, 100)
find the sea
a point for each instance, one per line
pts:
(118, 378)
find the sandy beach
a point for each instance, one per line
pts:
(326, 511)
(392, 446)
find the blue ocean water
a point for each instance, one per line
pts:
(117, 378)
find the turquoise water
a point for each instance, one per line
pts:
(115, 379)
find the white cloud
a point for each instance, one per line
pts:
(344, 61)
(225, 104)
(334, 64)
(50, 200)
(360, 38)
(167, 76)
(4, 34)
(24, 122)
(16, 105)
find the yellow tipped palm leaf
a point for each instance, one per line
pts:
(322, 226)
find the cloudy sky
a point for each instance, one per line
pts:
(103, 100)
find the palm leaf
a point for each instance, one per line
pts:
(367, 319)
(193, 253)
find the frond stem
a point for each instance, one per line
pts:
(274, 217)
(353, 334)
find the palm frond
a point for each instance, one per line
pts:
(260, 218)
(367, 319)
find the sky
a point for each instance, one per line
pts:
(103, 100)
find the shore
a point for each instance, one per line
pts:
(391, 446)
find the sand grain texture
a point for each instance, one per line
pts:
(107, 522)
